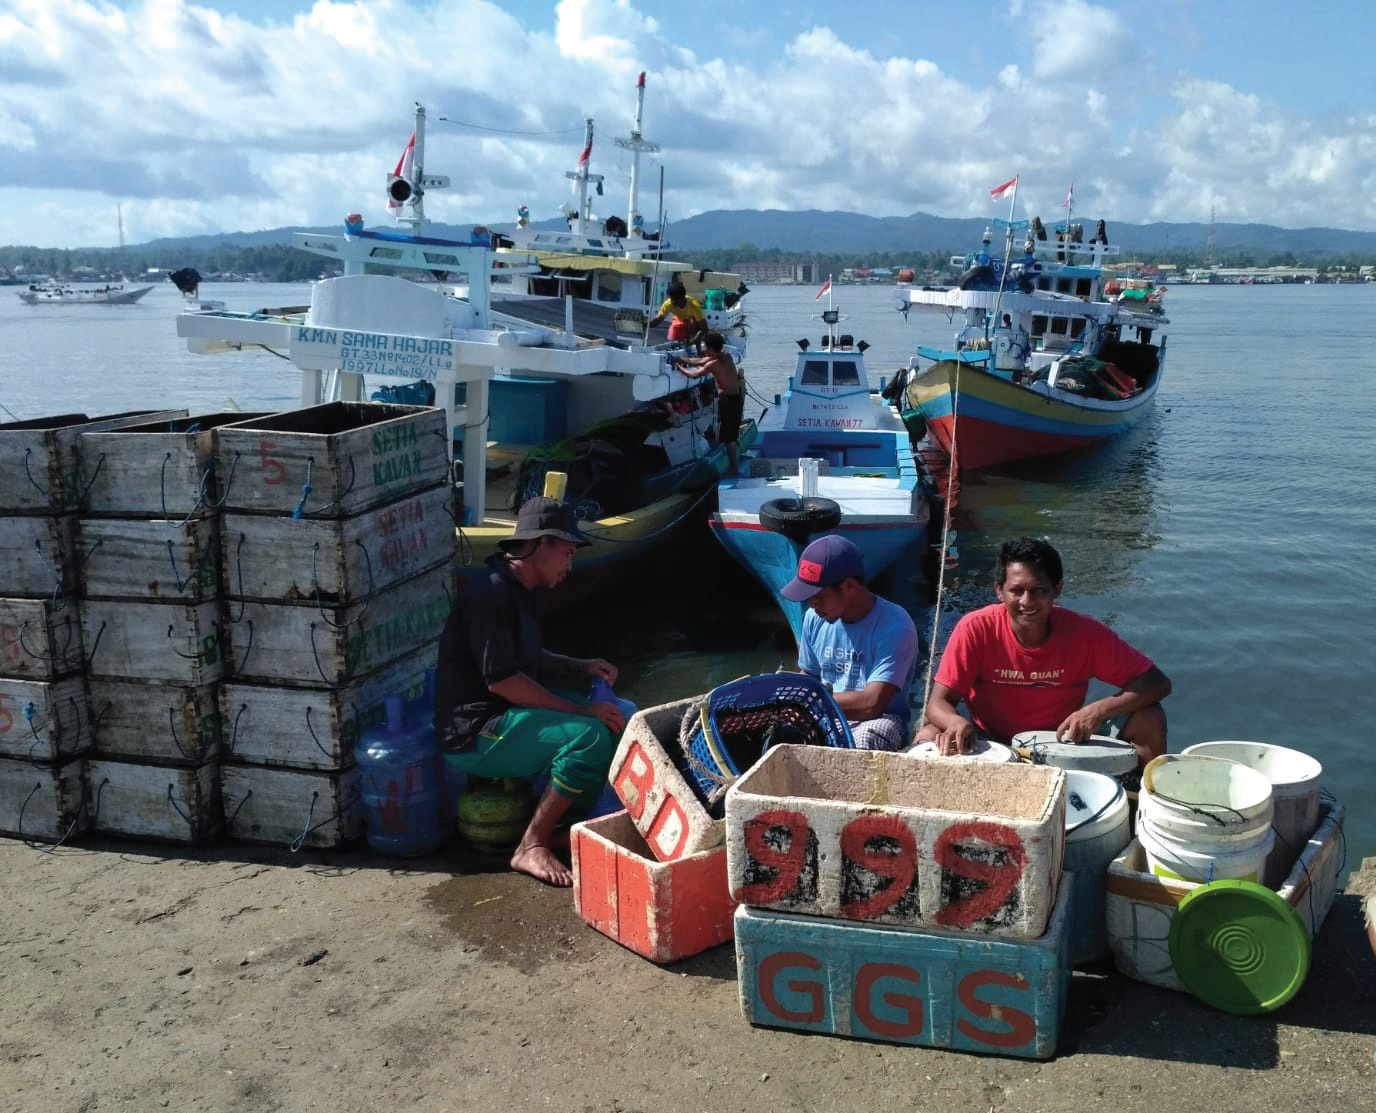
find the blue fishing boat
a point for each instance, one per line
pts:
(838, 459)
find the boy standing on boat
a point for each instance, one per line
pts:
(730, 400)
(689, 322)
(1024, 663)
(495, 716)
(862, 647)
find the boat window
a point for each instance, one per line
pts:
(608, 286)
(845, 372)
(434, 258)
(1038, 325)
(1064, 285)
(1082, 287)
(385, 253)
(815, 373)
(1077, 327)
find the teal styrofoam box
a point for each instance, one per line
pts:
(901, 985)
(528, 411)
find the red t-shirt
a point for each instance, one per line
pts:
(1009, 688)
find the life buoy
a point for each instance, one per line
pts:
(799, 519)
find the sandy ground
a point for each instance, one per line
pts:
(135, 977)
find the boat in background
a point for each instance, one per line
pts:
(1053, 352)
(611, 426)
(63, 293)
(839, 460)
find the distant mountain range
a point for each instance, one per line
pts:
(817, 232)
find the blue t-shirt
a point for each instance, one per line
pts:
(881, 647)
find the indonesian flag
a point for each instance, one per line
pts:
(998, 191)
(826, 289)
(587, 152)
(405, 166)
(1069, 197)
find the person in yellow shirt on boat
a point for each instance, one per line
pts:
(689, 323)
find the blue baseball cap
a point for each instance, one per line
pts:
(825, 562)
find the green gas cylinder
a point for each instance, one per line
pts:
(494, 814)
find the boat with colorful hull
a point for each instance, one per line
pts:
(839, 460)
(1053, 352)
(613, 427)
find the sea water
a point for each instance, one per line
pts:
(1227, 536)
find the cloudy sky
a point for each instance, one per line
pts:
(233, 115)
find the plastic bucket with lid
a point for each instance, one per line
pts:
(1200, 863)
(984, 751)
(1101, 754)
(1295, 781)
(1096, 830)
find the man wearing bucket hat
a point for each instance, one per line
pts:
(496, 714)
(1024, 663)
(862, 647)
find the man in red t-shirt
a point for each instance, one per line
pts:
(1024, 663)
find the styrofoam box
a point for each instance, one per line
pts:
(1140, 905)
(968, 993)
(875, 836)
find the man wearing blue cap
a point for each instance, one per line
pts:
(862, 647)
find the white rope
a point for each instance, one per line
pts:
(951, 479)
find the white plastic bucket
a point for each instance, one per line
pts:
(1096, 830)
(1101, 754)
(1295, 781)
(1170, 858)
(1204, 793)
(984, 751)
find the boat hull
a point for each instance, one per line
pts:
(982, 420)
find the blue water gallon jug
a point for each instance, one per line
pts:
(403, 789)
(601, 692)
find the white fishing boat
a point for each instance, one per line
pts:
(631, 436)
(63, 293)
(836, 459)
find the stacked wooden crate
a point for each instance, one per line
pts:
(45, 723)
(153, 622)
(337, 541)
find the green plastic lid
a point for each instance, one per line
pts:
(1239, 947)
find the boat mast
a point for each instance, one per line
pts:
(636, 144)
(1007, 259)
(580, 178)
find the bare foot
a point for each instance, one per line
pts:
(541, 864)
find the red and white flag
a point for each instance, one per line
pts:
(405, 166)
(1069, 197)
(826, 289)
(998, 191)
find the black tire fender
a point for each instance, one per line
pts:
(800, 518)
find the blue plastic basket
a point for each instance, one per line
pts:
(744, 717)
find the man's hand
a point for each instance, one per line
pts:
(608, 714)
(1079, 726)
(958, 740)
(596, 666)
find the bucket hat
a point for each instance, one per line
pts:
(546, 517)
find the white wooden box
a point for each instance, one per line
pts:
(170, 803)
(43, 803)
(172, 561)
(314, 728)
(44, 720)
(338, 560)
(145, 721)
(291, 807)
(163, 469)
(334, 460)
(39, 472)
(38, 555)
(40, 639)
(330, 646)
(181, 643)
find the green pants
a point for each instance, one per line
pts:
(575, 751)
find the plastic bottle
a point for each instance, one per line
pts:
(403, 789)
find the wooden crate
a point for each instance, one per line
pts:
(314, 728)
(1139, 905)
(163, 469)
(43, 803)
(169, 724)
(44, 720)
(136, 640)
(885, 838)
(127, 558)
(329, 646)
(339, 560)
(165, 802)
(664, 911)
(331, 461)
(39, 471)
(291, 807)
(38, 555)
(896, 985)
(40, 639)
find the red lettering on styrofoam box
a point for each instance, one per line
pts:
(878, 864)
(669, 831)
(992, 856)
(866, 978)
(772, 966)
(634, 780)
(1014, 1028)
(776, 846)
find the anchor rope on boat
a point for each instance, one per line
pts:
(945, 543)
